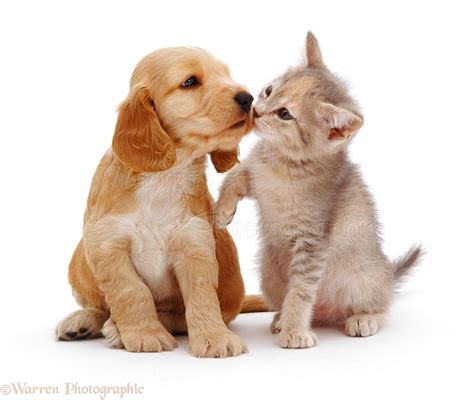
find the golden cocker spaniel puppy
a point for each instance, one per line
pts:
(151, 262)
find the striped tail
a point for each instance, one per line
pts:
(404, 264)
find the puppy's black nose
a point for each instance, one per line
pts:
(244, 100)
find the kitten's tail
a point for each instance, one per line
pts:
(405, 263)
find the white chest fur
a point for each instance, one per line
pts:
(160, 213)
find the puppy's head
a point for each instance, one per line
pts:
(181, 98)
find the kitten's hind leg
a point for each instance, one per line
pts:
(359, 291)
(363, 325)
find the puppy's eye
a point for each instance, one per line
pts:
(268, 90)
(191, 81)
(283, 113)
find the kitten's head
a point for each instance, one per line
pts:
(307, 112)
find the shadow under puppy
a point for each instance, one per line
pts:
(150, 261)
(321, 256)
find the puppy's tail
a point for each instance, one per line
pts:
(253, 303)
(404, 264)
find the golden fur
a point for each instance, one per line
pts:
(151, 262)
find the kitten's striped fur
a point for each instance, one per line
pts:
(321, 257)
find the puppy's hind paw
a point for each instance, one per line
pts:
(81, 324)
(112, 334)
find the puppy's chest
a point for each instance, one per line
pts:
(161, 197)
(161, 211)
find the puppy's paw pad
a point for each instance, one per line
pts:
(82, 333)
(217, 345)
(362, 325)
(298, 339)
(80, 325)
(71, 335)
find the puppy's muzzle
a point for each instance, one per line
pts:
(244, 100)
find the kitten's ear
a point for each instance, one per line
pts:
(313, 53)
(342, 123)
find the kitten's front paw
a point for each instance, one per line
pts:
(298, 339)
(223, 215)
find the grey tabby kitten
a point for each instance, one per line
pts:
(321, 257)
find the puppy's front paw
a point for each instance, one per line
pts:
(298, 339)
(148, 340)
(217, 344)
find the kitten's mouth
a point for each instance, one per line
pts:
(259, 125)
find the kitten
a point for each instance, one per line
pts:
(321, 257)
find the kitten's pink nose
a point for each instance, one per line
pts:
(255, 113)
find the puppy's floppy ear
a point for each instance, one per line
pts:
(224, 160)
(139, 141)
(313, 53)
(342, 123)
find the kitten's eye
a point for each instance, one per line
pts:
(283, 113)
(191, 81)
(268, 90)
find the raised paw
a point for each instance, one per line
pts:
(223, 215)
(81, 324)
(298, 339)
(275, 327)
(147, 340)
(217, 344)
(362, 325)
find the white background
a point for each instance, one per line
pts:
(65, 67)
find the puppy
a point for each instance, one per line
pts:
(151, 262)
